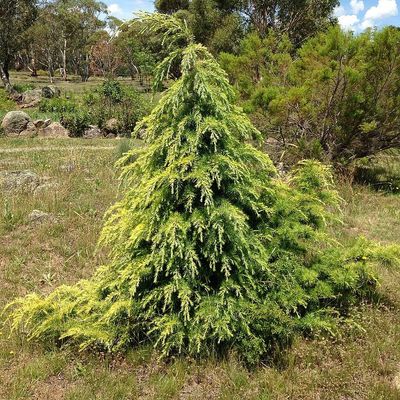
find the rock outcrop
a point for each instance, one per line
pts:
(15, 122)
(53, 130)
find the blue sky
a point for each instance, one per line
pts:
(352, 14)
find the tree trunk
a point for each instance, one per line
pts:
(33, 69)
(5, 78)
(64, 59)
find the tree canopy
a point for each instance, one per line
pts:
(15, 18)
(299, 20)
(337, 101)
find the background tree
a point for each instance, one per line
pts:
(214, 22)
(338, 101)
(105, 57)
(43, 41)
(298, 19)
(15, 18)
(139, 51)
(171, 6)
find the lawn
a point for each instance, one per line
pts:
(363, 363)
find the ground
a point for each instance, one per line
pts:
(363, 363)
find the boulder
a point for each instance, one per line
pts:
(40, 123)
(93, 132)
(31, 98)
(45, 187)
(15, 181)
(50, 91)
(37, 216)
(29, 131)
(112, 126)
(54, 130)
(15, 122)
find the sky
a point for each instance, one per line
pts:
(353, 15)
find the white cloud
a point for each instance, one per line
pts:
(348, 22)
(367, 23)
(114, 9)
(357, 6)
(384, 9)
(339, 11)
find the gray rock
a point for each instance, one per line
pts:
(54, 130)
(37, 216)
(29, 131)
(112, 125)
(14, 181)
(50, 91)
(15, 122)
(39, 123)
(93, 132)
(111, 136)
(45, 187)
(31, 98)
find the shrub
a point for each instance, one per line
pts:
(59, 105)
(336, 101)
(23, 87)
(76, 122)
(112, 100)
(210, 251)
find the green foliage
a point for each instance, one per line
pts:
(220, 25)
(209, 250)
(6, 104)
(23, 87)
(171, 6)
(59, 105)
(338, 101)
(76, 122)
(112, 91)
(110, 100)
(15, 18)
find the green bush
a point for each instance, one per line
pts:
(23, 87)
(209, 250)
(112, 100)
(76, 122)
(337, 100)
(112, 91)
(59, 105)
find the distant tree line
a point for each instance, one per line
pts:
(76, 37)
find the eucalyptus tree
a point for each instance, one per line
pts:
(15, 18)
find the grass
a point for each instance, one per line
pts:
(360, 364)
